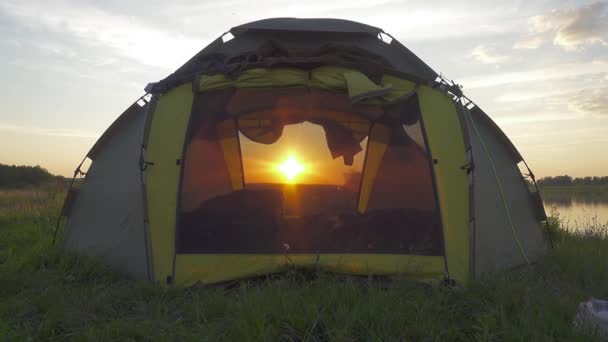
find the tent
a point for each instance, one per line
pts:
(314, 143)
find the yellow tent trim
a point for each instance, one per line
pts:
(213, 268)
(167, 132)
(376, 146)
(229, 141)
(447, 146)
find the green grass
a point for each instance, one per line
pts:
(46, 294)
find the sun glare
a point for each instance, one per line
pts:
(291, 168)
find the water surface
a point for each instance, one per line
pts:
(577, 208)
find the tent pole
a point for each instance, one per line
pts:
(76, 173)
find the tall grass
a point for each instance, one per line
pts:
(46, 294)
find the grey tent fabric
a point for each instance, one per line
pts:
(109, 133)
(497, 243)
(307, 25)
(107, 219)
(306, 33)
(500, 135)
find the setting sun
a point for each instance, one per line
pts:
(291, 168)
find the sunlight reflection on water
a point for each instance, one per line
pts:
(578, 209)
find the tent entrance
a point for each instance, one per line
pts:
(306, 172)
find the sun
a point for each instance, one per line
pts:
(291, 168)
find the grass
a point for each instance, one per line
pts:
(46, 294)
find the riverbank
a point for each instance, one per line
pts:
(46, 294)
(576, 194)
(575, 188)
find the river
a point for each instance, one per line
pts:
(576, 208)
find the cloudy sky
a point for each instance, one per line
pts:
(538, 68)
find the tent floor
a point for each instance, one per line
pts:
(263, 221)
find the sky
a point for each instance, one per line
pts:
(538, 68)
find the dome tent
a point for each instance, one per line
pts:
(399, 172)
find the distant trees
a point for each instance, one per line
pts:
(568, 180)
(12, 176)
(557, 180)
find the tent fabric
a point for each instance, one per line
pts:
(247, 100)
(164, 148)
(436, 192)
(498, 181)
(264, 113)
(107, 218)
(272, 54)
(359, 88)
(378, 143)
(307, 25)
(219, 156)
(229, 142)
(405, 64)
(404, 180)
(134, 109)
(217, 268)
(210, 222)
(447, 147)
(496, 131)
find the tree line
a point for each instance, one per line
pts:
(569, 180)
(13, 176)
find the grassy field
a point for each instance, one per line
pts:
(46, 294)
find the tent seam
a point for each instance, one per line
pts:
(151, 107)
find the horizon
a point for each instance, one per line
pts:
(540, 71)
(289, 156)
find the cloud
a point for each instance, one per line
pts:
(526, 119)
(573, 28)
(51, 132)
(487, 55)
(127, 36)
(530, 42)
(590, 101)
(52, 48)
(583, 97)
(558, 71)
(526, 96)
